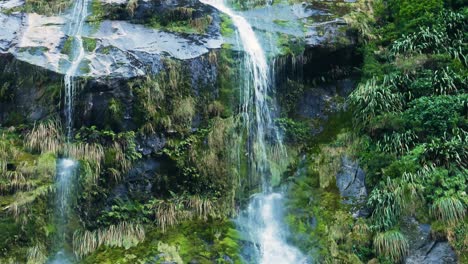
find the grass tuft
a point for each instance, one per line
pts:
(391, 244)
(124, 235)
(450, 209)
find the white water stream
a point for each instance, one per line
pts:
(262, 223)
(66, 167)
(79, 14)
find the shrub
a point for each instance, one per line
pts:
(371, 99)
(123, 234)
(391, 244)
(45, 137)
(449, 209)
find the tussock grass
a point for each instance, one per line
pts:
(23, 199)
(183, 113)
(45, 137)
(124, 235)
(132, 5)
(361, 232)
(372, 99)
(391, 244)
(36, 254)
(173, 211)
(328, 164)
(449, 209)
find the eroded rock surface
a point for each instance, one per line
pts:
(423, 249)
(351, 184)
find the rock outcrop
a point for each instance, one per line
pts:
(424, 249)
(351, 184)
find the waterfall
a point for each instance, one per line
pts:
(66, 167)
(262, 222)
(75, 27)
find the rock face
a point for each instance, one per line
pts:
(120, 47)
(351, 184)
(424, 250)
(318, 102)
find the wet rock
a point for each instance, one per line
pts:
(150, 144)
(329, 33)
(139, 180)
(423, 249)
(33, 93)
(322, 101)
(9, 4)
(351, 184)
(122, 49)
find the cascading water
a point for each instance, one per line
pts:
(75, 27)
(66, 167)
(262, 221)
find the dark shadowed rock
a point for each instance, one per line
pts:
(423, 249)
(433, 253)
(351, 184)
(139, 180)
(150, 144)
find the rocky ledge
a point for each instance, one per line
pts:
(119, 44)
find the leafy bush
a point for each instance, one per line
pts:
(436, 115)
(449, 209)
(371, 99)
(391, 244)
(123, 234)
(294, 131)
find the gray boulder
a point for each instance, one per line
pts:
(351, 184)
(423, 249)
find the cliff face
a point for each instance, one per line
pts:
(122, 46)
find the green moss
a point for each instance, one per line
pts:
(67, 48)
(89, 44)
(227, 28)
(106, 50)
(290, 45)
(200, 241)
(98, 12)
(44, 7)
(189, 26)
(280, 22)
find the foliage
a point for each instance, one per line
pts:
(449, 209)
(445, 36)
(124, 235)
(180, 208)
(45, 137)
(45, 7)
(391, 244)
(294, 131)
(171, 253)
(371, 99)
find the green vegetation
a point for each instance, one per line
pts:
(409, 135)
(44, 7)
(226, 26)
(410, 110)
(290, 45)
(180, 20)
(391, 244)
(89, 44)
(67, 47)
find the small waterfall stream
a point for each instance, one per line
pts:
(75, 27)
(262, 222)
(66, 167)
